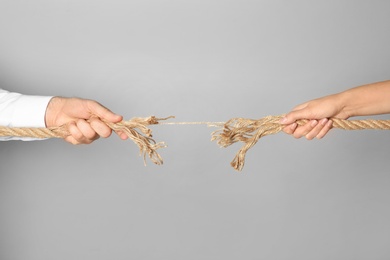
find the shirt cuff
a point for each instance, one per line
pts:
(30, 111)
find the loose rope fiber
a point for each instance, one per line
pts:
(247, 131)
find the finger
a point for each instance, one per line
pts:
(122, 135)
(100, 127)
(103, 112)
(305, 129)
(290, 128)
(325, 130)
(317, 129)
(76, 137)
(294, 116)
(86, 130)
(70, 139)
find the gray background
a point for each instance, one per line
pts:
(201, 61)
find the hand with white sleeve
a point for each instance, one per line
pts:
(83, 117)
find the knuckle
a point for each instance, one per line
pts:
(106, 133)
(100, 128)
(90, 135)
(88, 141)
(77, 135)
(86, 129)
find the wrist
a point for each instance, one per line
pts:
(52, 111)
(344, 104)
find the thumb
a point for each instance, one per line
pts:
(104, 113)
(295, 115)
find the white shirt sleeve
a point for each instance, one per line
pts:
(17, 110)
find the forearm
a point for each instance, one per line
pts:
(371, 99)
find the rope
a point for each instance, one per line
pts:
(247, 131)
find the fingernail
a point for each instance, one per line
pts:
(283, 120)
(313, 123)
(324, 121)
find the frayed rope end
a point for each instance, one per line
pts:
(247, 131)
(136, 129)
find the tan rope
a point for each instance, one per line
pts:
(136, 129)
(248, 131)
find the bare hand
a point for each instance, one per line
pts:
(318, 111)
